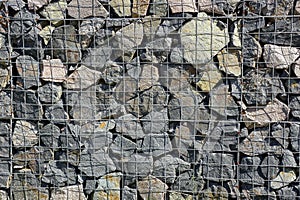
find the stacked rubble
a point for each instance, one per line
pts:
(161, 99)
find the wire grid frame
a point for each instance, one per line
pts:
(149, 99)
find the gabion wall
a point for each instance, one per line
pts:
(149, 99)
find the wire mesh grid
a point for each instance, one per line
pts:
(149, 99)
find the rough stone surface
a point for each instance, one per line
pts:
(269, 167)
(24, 135)
(210, 77)
(6, 110)
(156, 144)
(182, 6)
(55, 12)
(50, 93)
(86, 8)
(122, 8)
(230, 62)
(152, 188)
(139, 7)
(249, 171)
(69, 192)
(283, 179)
(4, 77)
(53, 70)
(129, 126)
(108, 187)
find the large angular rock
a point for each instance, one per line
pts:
(202, 39)
(188, 181)
(55, 12)
(96, 58)
(230, 62)
(49, 93)
(24, 134)
(5, 129)
(137, 165)
(295, 136)
(35, 5)
(56, 113)
(152, 188)
(122, 146)
(149, 76)
(86, 8)
(275, 111)
(215, 192)
(72, 192)
(159, 8)
(183, 6)
(29, 71)
(283, 179)
(279, 57)
(210, 76)
(269, 167)
(252, 22)
(248, 170)
(5, 176)
(155, 122)
(53, 70)
(288, 160)
(139, 7)
(156, 144)
(109, 187)
(121, 8)
(130, 126)
(49, 135)
(6, 108)
(251, 50)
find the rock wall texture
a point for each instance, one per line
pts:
(149, 99)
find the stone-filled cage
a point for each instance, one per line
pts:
(149, 99)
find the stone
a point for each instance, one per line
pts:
(214, 192)
(83, 77)
(6, 109)
(159, 8)
(217, 7)
(294, 106)
(97, 57)
(126, 41)
(129, 194)
(260, 94)
(188, 181)
(4, 195)
(152, 188)
(176, 56)
(70, 138)
(156, 144)
(5, 129)
(282, 32)
(108, 187)
(283, 179)
(139, 8)
(29, 72)
(126, 89)
(159, 48)
(286, 193)
(258, 192)
(196, 40)
(269, 167)
(210, 77)
(24, 134)
(5, 177)
(95, 163)
(281, 135)
(230, 61)
(148, 77)
(27, 186)
(55, 12)
(150, 24)
(86, 8)
(248, 170)
(166, 168)
(252, 22)
(183, 6)
(46, 33)
(4, 77)
(155, 122)
(279, 57)
(64, 45)
(222, 102)
(69, 192)
(251, 51)
(122, 146)
(49, 135)
(218, 167)
(53, 70)
(121, 8)
(56, 114)
(49, 93)
(35, 5)
(288, 160)
(16, 4)
(138, 166)
(294, 136)
(129, 126)
(112, 73)
(275, 111)
(296, 67)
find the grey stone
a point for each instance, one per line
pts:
(96, 58)
(55, 12)
(35, 5)
(184, 6)
(121, 22)
(90, 186)
(188, 181)
(98, 141)
(283, 179)
(56, 114)
(58, 174)
(129, 194)
(252, 22)
(288, 160)
(156, 144)
(69, 138)
(72, 192)
(49, 93)
(95, 163)
(112, 73)
(281, 135)
(159, 8)
(251, 50)
(29, 72)
(64, 45)
(24, 134)
(5, 174)
(126, 89)
(222, 102)
(130, 126)
(282, 32)
(160, 48)
(166, 168)
(294, 136)
(155, 122)
(149, 76)
(152, 188)
(214, 192)
(4, 195)
(258, 193)
(176, 55)
(261, 94)
(279, 57)
(137, 165)
(16, 4)
(272, 8)
(217, 7)
(248, 170)
(218, 167)
(275, 111)
(6, 109)
(293, 86)
(269, 167)
(170, 26)
(27, 186)
(83, 77)
(294, 106)
(5, 129)
(88, 29)
(150, 24)
(49, 135)
(4, 77)
(196, 40)
(86, 8)
(122, 146)
(286, 193)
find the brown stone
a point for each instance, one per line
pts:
(53, 70)
(152, 188)
(180, 6)
(148, 77)
(140, 7)
(74, 192)
(230, 61)
(121, 7)
(86, 8)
